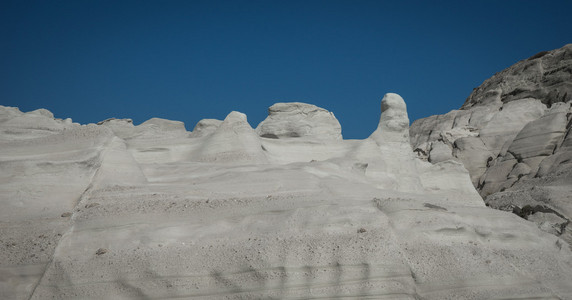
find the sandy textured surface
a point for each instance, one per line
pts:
(117, 211)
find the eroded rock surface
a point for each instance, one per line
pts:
(513, 133)
(295, 119)
(117, 211)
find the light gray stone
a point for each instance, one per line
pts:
(495, 176)
(165, 125)
(393, 124)
(539, 137)
(439, 152)
(507, 123)
(256, 218)
(474, 155)
(234, 141)
(295, 119)
(519, 170)
(205, 127)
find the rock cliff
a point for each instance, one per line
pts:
(513, 136)
(118, 211)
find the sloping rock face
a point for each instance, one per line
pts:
(513, 135)
(544, 76)
(118, 211)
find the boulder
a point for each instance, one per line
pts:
(295, 120)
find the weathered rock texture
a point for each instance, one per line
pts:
(117, 211)
(513, 136)
(300, 120)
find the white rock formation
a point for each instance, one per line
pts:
(118, 211)
(205, 127)
(295, 119)
(234, 141)
(513, 134)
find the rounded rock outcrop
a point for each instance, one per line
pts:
(165, 125)
(205, 127)
(295, 119)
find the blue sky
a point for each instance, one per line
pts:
(188, 60)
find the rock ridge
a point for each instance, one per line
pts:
(152, 211)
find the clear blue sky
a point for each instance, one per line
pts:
(188, 60)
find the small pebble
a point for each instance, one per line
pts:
(101, 251)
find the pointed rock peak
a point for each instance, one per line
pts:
(392, 101)
(394, 123)
(233, 141)
(236, 121)
(296, 119)
(235, 116)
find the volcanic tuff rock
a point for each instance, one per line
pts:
(299, 120)
(513, 136)
(116, 211)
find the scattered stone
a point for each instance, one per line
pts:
(101, 251)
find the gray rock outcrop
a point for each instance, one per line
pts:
(512, 133)
(545, 76)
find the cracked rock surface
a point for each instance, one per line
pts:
(513, 134)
